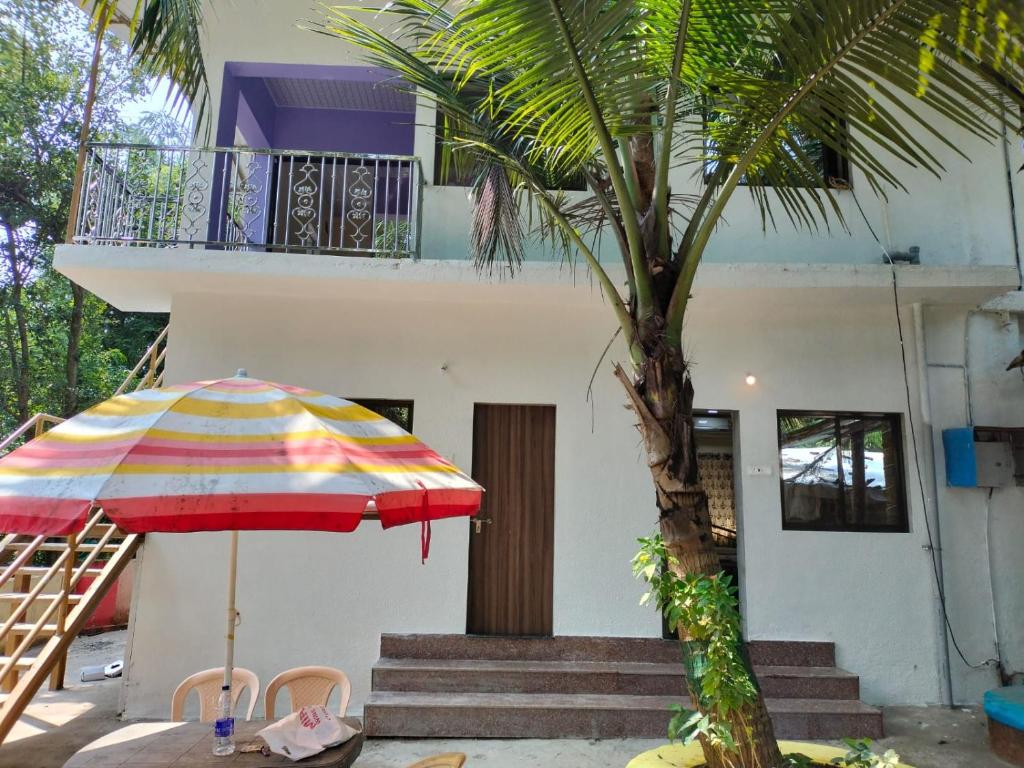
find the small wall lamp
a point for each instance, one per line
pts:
(751, 379)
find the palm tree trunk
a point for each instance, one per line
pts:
(663, 402)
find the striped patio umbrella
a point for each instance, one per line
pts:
(231, 454)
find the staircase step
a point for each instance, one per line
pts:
(42, 570)
(552, 716)
(23, 663)
(762, 652)
(590, 677)
(23, 629)
(17, 597)
(57, 546)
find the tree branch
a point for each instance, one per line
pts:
(661, 193)
(681, 292)
(644, 293)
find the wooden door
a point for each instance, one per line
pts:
(511, 559)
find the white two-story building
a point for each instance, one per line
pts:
(318, 246)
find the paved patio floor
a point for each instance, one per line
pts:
(58, 724)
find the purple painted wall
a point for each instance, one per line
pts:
(247, 107)
(343, 130)
(247, 104)
(256, 113)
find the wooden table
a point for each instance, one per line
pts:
(190, 745)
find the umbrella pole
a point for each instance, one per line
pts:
(229, 658)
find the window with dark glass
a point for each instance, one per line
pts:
(833, 168)
(398, 411)
(842, 471)
(458, 167)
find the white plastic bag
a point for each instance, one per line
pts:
(307, 732)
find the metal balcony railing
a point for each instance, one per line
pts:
(251, 200)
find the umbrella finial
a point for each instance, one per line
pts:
(242, 374)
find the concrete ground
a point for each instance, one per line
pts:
(56, 725)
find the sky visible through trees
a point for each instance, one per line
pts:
(45, 53)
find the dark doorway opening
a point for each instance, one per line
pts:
(716, 463)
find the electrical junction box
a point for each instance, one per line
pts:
(972, 463)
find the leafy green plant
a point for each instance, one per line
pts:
(704, 610)
(393, 239)
(688, 726)
(861, 756)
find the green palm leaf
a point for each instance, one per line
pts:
(166, 37)
(618, 89)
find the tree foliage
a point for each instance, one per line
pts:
(45, 52)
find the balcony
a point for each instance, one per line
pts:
(239, 199)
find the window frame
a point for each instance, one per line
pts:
(896, 424)
(467, 179)
(373, 403)
(834, 166)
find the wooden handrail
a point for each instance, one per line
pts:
(97, 549)
(148, 357)
(23, 606)
(57, 646)
(25, 556)
(58, 602)
(37, 422)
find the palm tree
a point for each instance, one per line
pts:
(165, 37)
(747, 92)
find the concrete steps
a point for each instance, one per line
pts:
(580, 687)
(762, 652)
(603, 677)
(588, 716)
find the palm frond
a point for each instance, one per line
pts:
(166, 36)
(497, 233)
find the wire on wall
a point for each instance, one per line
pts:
(915, 450)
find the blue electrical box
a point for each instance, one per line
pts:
(974, 463)
(961, 461)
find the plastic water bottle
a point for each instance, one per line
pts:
(224, 726)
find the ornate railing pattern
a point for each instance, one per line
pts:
(251, 199)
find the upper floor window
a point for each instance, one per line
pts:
(832, 168)
(842, 471)
(454, 167)
(398, 411)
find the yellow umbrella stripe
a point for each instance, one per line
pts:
(227, 469)
(223, 409)
(269, 410)
(199, 437)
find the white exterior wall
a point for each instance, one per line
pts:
(982, 536)
(323, 598)
(309, 598)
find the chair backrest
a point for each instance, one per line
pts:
(447, 760)
(307, 686)
(207, 686)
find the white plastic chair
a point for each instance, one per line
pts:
(308, 686)
(207, 685)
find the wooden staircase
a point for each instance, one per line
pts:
(41, 606)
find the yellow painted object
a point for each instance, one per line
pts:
(678, 756)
